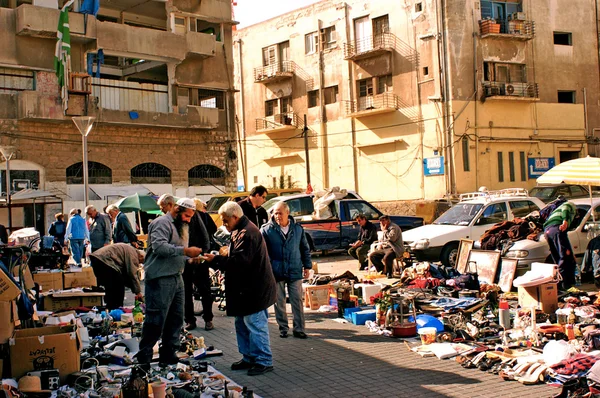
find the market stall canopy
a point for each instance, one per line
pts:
(126, 190)
(27, 194)
(582, 171)
(138, 202)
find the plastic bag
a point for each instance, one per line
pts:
(557, 351)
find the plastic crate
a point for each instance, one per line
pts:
(361, 317)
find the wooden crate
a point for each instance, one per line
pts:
(316, 296)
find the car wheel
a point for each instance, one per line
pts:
(450, 255)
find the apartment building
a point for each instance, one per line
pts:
(416, 99)
(157, 76)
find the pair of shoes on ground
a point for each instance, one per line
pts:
(299, 335)
(207, 326)
(254, 369)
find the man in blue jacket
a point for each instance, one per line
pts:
(122, 231)
(290, 258)
(77, 234)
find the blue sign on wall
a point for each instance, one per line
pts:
(434, 166)
(538, 166)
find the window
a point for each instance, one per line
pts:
(521, 208)
(313, 98)
(426, 71)
(356, 208)
(300, 206)
(328, 37)
(576, 191)
(365, 87)
(511, 166)
(523, 166)
(14, 80)
(311, 43)
(150, 173)
(465, 153)
(566, 97)
(505, 73)
(498, 10)
(286, 105)
(206, 174)
(269, 55)
(381, 25)
(563, 39)
(97, 173)
(500, 167)
(330, 95)
(418, 7)
(384, 84)
(270, 107)
(211, 99)
(493, 214)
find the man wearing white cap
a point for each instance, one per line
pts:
(165, 261)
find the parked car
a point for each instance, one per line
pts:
(469, 219)
(300, 204)
(341, 230)
(547, 193)
(529, 251)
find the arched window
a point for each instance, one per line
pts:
(206, 174)
(150, 173)
(98, 173)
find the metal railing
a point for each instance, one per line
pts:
(277, 69)
(120, 95)
(525, 29)
(372, 102)
(382, 41)
(523, 90)
(278, 121)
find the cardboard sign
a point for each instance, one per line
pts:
(49, 280)
(45, 348)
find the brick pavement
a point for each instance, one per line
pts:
(349, 361)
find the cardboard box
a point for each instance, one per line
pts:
(44, 348)
(83, 278)
(49, 280)
(27, 276)
(8, 289)
(61, 301)
(543, 297)
(7, 321)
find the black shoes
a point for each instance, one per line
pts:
(209, 326)
(241, 365)
(258, 369)
(300, 335)
(283, 334)
(190, 326)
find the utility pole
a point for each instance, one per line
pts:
(305, 133)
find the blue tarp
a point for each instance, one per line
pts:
(90, 7)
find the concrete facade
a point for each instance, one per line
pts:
(416, 81)
(162, 100)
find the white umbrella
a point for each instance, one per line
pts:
(582, 171)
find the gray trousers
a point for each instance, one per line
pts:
(164, 317)
(295, 294)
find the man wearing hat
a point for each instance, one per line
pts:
(117, 266)
(164, 265)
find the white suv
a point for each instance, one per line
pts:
(469, 219)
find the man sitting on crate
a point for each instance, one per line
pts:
(388, 248)
(366, 236)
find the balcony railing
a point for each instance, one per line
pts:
(505, 28)
(380, 103)
(274, 72)
(370, 46)
(508, 90)
(279, 122)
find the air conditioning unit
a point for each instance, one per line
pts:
(518, 16)
(516, 89)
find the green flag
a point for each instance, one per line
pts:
(62, 55)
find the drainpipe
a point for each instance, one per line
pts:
(447, 97)
(351, 88)
(243, 147)
(585, 112)
(323, 129)
(475, 99)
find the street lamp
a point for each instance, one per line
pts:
(8, 152)
(84, 124)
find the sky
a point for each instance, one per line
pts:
(249, 12)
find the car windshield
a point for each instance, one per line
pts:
(215, 203)
(270, 203)
(460, 214)
(543, 193)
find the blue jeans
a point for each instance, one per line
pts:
(77, 249)
(252, 333)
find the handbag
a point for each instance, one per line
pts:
(469, 280)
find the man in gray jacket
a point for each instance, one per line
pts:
(165, 261)
(388, 248)
(100, 228)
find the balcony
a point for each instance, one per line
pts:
(372, 105)
(278, 123)
(507, 29)
(511, 91)
(41, 22)
(371, 46)
(275, 72)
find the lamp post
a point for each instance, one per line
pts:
(8, 152)
(84, 124)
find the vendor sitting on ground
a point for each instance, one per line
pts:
(388, 248)
(116, 267)
(366, 236)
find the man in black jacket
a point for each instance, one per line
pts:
(252, 206)
(122, 231)
(366, 236)
(250, 289)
